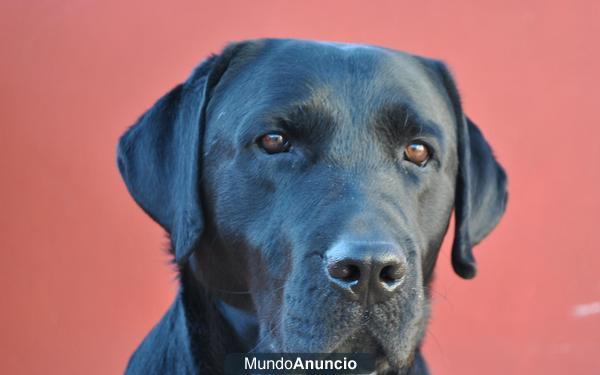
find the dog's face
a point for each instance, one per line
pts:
(323, 180)
(306, 163)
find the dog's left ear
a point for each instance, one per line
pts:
(481, 193)
(159, 156)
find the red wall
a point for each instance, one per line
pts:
(83, 274)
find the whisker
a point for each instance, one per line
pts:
(271, 331)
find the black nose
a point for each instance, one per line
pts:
(369, 272)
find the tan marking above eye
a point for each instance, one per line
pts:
(417, 153)
(274, 143)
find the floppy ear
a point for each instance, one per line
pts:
(481, 193)
(159, 156)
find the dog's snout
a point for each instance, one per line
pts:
(369, 272)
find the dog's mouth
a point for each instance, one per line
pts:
(391, 336)
(361, 341)
(364, 341)
(387, 358)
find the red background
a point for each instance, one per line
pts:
(82, 272)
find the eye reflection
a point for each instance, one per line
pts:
(274, 143)
(417, 153)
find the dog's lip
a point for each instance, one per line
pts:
(360, 342)
(362, 339)
(384, 360)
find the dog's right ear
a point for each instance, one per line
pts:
(159, 156)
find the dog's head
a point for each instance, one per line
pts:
(321, 178)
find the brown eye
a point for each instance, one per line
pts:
(274, 143)
(417, 153)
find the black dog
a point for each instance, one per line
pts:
(307, 187)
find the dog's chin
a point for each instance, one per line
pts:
(388, 360)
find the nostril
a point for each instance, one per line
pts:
(351, 272)
(344, 271)
(391, 273)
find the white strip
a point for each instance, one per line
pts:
(587, 309)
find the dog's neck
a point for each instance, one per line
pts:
(211, 328)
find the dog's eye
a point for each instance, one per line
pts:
(274, 143)
(417, 153)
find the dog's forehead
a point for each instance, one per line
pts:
(353, 83)
(354, 76)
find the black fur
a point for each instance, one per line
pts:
(249, 230)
